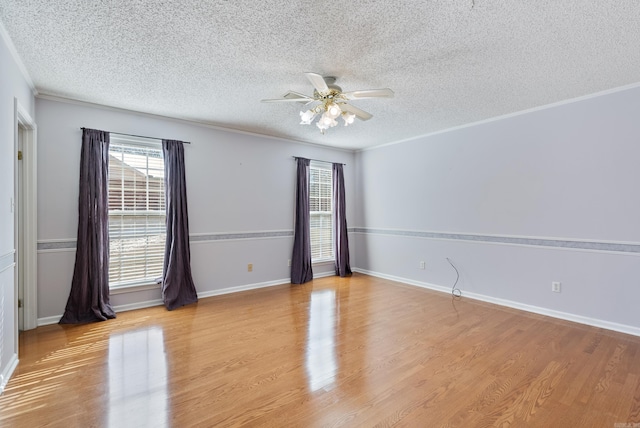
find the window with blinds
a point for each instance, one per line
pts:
(320, 207)
(137, 228)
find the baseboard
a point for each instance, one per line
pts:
(324, 274)
(240, 288)
(120, 308)
(138, 305)
(158, 302)
(8, 371)
(622, 328)
(256, 286)
(404, 280)
(594, 322)
(49, 320)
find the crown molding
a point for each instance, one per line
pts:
(16, 58)
(184, 121)
(510, 115)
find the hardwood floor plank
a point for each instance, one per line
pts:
(634, 409)
(335, 352)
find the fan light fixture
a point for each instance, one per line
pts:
(332, 102)
(330, 112)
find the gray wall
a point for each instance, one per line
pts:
(512, 202)
(12, 86)
(240, 191)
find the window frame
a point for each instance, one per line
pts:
(326, 214)
(149, 281)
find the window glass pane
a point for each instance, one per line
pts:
(136, 212)
(136, 248)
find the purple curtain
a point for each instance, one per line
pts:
(340, 238)
(177, 284)
(301, 270)
(89, 297)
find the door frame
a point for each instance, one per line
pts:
(29, 209)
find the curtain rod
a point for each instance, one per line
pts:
(139, 136)
(317, 160)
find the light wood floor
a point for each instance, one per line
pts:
(359, 351)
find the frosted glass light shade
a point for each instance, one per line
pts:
(306, 117)
(348, 118)
(333, 110)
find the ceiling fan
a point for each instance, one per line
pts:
(332, 102)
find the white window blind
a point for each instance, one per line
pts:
(137, 228)
(320, 210)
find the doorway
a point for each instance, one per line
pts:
(25, 220)
(18, 213)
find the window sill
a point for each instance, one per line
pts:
(133, 288)
(323, 262)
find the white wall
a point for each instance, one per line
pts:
(12, 86)
(236, 184)
(511, 202)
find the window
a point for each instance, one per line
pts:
(320, 207)
(137, 227)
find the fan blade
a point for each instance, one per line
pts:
(318, 82)
(287, 100)
(294, 94)
(360, 114)
(369, 93)
(291, 96)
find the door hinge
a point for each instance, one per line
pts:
(19, 303)
(19, 154)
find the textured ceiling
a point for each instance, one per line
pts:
(450, 63)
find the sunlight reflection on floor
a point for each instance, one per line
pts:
(321, 361)
(138, 393)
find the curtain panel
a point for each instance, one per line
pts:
(89, 297)
(301, 270)
(340, 237)
(178, 288)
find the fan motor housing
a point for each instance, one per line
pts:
(333, 89)
(333, 92)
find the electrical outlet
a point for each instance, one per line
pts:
(422, 264)
(250, 267)
(555, 286)
(289, 262)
